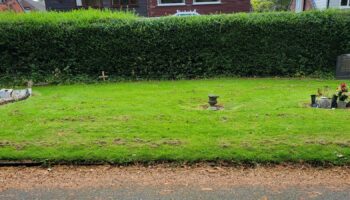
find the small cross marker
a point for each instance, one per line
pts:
(103, 76)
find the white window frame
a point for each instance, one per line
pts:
(171, 4)
(347, 6)
(79, 3)
(206, 3)
(299, 6)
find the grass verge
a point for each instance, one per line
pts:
(264, 121)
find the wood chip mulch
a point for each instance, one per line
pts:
(202, 176)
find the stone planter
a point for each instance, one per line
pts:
(324, 102)
(341, 104)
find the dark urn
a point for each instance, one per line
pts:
(213, 100)
(313, 101)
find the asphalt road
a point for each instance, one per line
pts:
(242, 193)
(159, 182)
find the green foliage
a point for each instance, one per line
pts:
(263, 5)
(63, 46)
(270, 5)
(78, 16)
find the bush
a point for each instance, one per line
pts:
(263, 5)
(270, 5)
(62, 48)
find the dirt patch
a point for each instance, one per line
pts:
(154, 145)
(4, 143)
(100, 143)
(139, 140)
(17, 146)
(118, 141)
(206, 107)
(172, 142)
(76, 119)
(225, 145)
(122, 118)
(343, 144)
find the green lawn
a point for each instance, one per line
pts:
(264, 120)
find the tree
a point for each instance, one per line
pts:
(270, 5)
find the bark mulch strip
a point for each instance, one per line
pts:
(203, 176)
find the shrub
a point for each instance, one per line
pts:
(60, 47)
(263, 5)
(269, 5)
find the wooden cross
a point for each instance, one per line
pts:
(30, 84)
(103, 76)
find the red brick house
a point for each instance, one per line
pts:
(13, 5)
(162, 7)
(155, 8)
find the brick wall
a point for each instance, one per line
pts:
(226, 6)
(3, 7)
(11, 5)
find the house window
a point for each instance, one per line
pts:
(92, 3)
(171, 2)
(79, 3)
(124, 3)
(199, 2)
(344, 3)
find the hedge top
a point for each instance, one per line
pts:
(93, 15)
(90, 15)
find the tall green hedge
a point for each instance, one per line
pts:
(268, 44)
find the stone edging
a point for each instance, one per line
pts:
(4, 101)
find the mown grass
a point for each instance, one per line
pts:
(264, 120)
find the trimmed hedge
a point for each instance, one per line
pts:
(267, 44)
